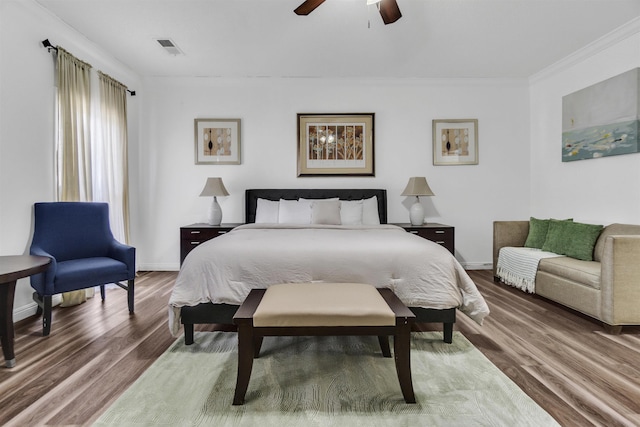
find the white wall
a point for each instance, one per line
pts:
(603, 190)
(467, 197)
(27, 120)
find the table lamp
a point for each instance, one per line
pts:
(214, 187)
(417, 186)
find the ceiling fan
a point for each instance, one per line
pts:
(389, 9)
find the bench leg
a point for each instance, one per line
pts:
(257, 344)
(384, 345)
(245, 361)
(402, 349)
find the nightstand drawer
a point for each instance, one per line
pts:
(438, 233)
(202, 234)
(196, 234)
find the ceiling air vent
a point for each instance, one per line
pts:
(170, 46)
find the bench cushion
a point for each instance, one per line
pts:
(323, 304)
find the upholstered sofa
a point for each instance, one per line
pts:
(607, 288)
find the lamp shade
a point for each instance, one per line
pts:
(417, 186)
(214, 187)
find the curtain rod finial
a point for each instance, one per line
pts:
(47, 44)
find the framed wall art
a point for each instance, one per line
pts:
(336, 144)
(603, 119)
(217, 141)
(455, 142)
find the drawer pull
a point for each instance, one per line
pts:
(195, 243)
(195, 232)
(440, 242)
(222, 232)
(439, 231)
(413, 232)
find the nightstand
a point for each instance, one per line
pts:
(438, 233)
(194, 234)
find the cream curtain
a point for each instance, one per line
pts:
(73, 159)
(73, 144)
(91, 146)
(110, 177)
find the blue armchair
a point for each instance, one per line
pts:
(77, 237)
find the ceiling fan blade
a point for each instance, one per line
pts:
(389, 11)
(307, 7)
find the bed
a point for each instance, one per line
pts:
(217, 275)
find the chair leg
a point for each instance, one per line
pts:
(102, 293)
(130, 293)
(38, 299)
(46, 318)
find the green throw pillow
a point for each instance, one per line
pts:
(555, 236)
(579, 240)
(537, 233)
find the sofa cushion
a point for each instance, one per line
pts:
(537, 233)
(555, 236)
(574, 239)
(584, 272)
(580, 239)
(613, 230)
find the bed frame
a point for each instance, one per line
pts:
(223, 313)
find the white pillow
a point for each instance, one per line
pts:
(319, 200)
(370, 211)
(325, 212)
(351, 212)
(294, 212)
(267, 211)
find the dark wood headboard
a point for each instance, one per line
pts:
(252, 196)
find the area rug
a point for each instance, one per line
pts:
(324, 381)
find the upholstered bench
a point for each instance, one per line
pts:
(323, 309)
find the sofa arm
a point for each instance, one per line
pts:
(620, 280)
(507, 233)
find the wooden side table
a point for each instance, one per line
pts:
(195, 234)
(13, 268)
(439, 233)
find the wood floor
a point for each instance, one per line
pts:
(564, 361)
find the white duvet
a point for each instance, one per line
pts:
(421, 273)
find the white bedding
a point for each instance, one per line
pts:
(420, 272)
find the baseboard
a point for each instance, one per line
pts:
(28, 310)
(158, 267)
(477, 265)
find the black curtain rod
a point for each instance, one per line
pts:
(47, 44)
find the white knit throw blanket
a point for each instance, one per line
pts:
(518, 266)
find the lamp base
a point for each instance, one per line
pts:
(215, 212)
(416, 214)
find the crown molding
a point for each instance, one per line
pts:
(621, 33)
